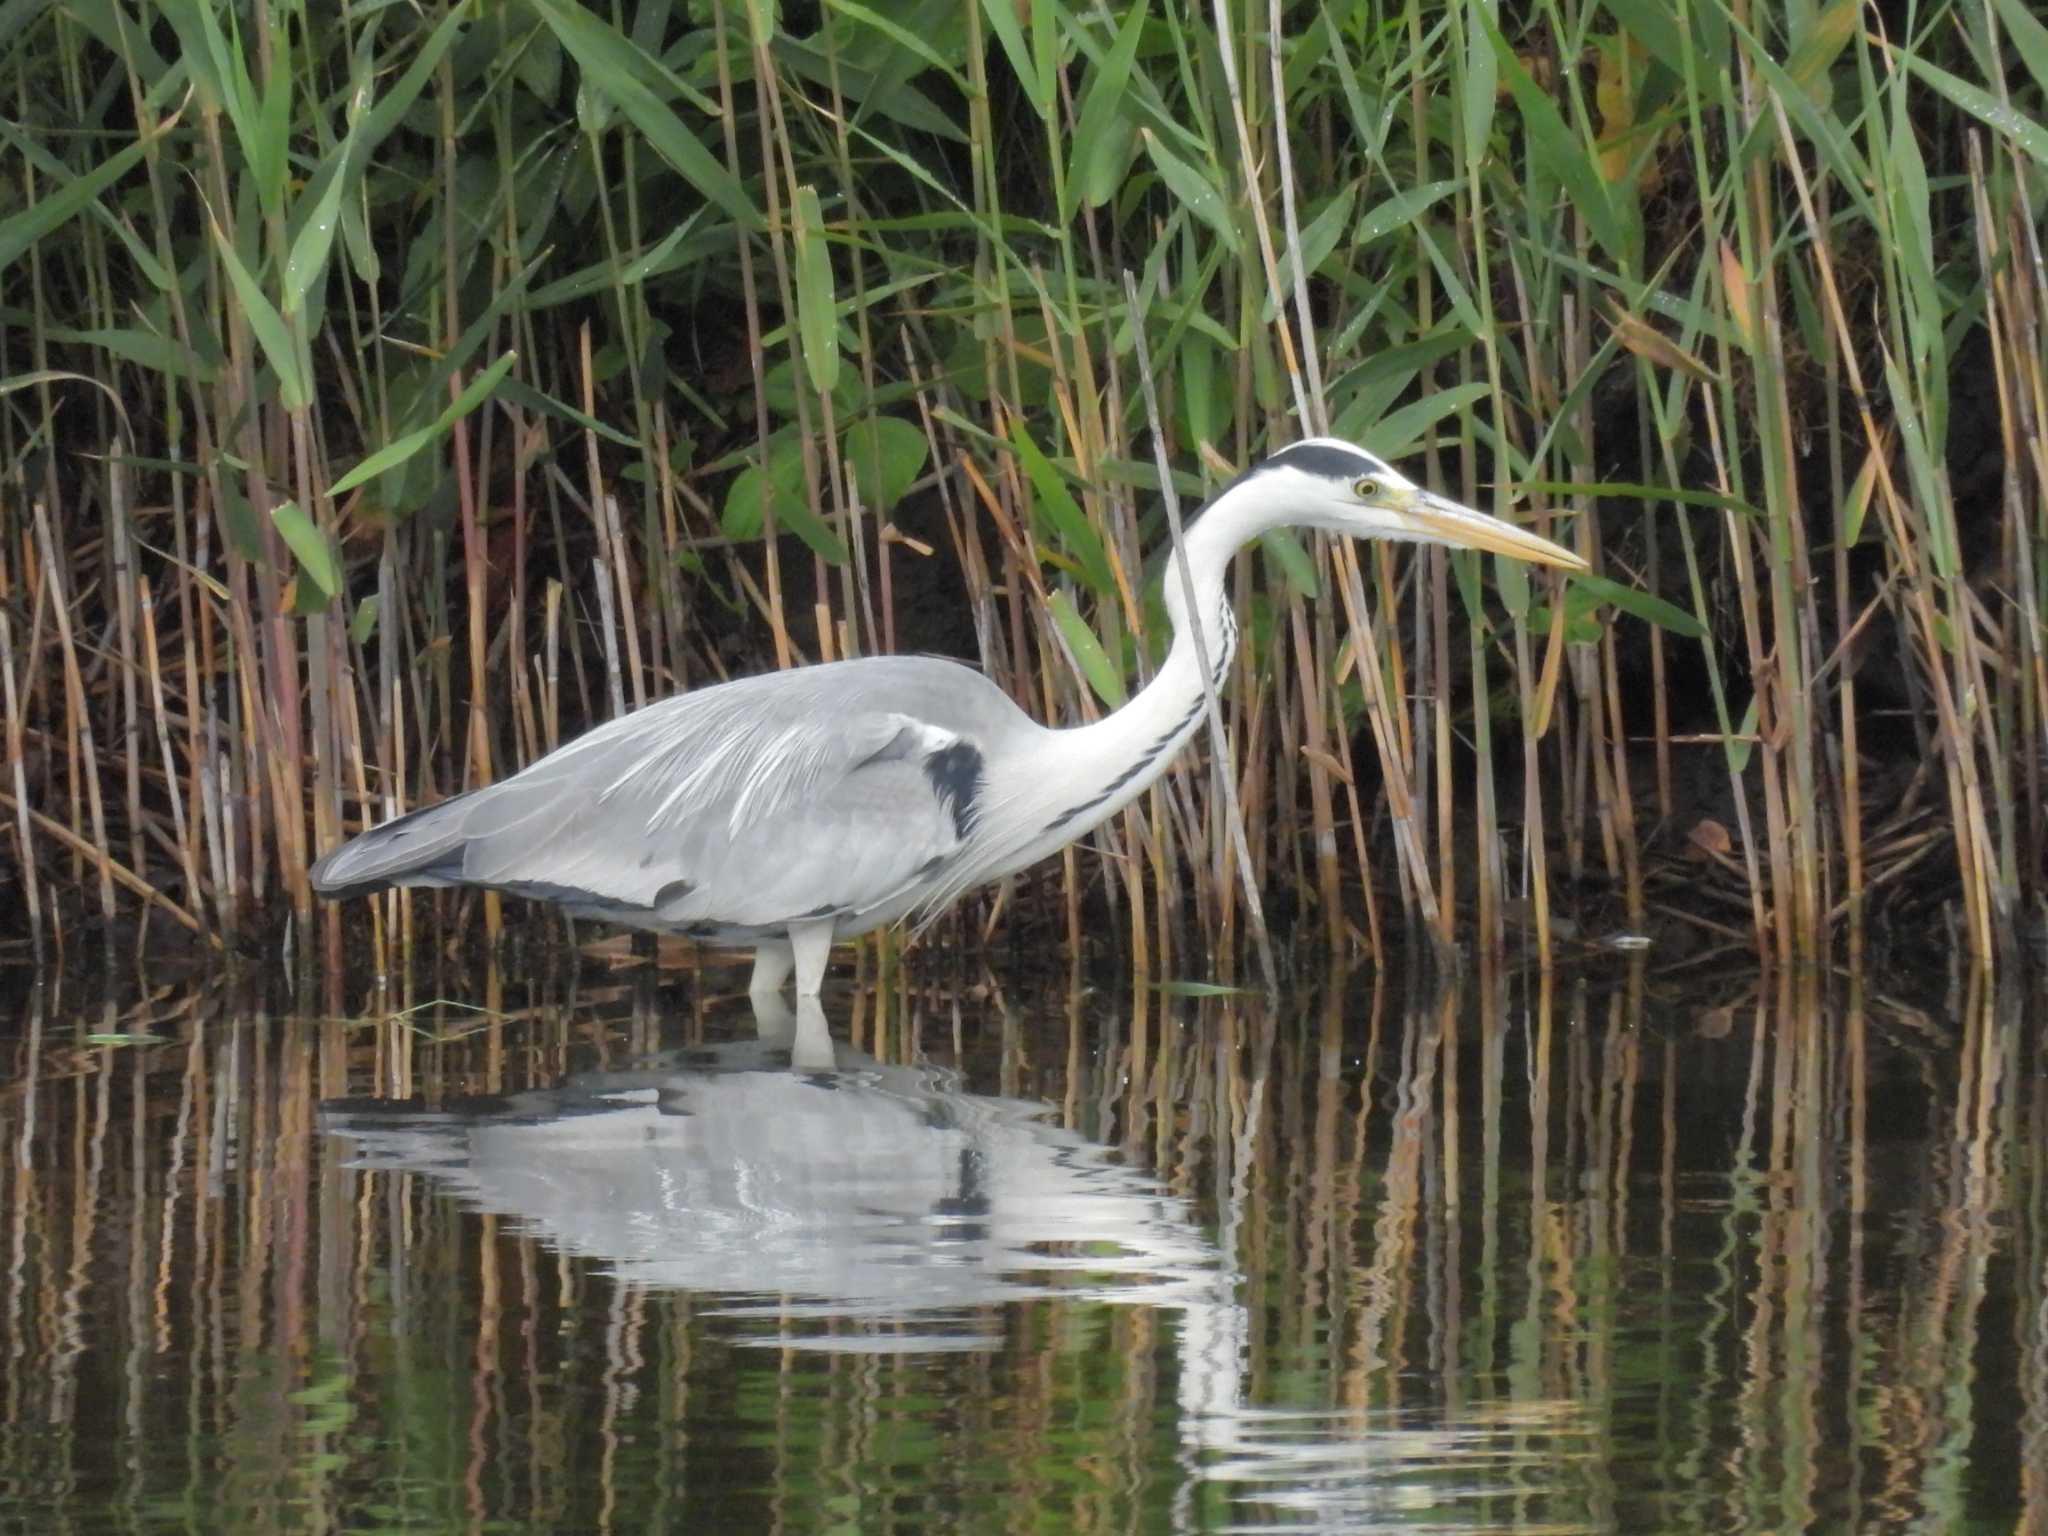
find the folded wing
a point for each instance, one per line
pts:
(746, 805)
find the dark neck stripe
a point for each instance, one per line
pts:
(1165, 741)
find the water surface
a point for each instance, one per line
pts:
(1619, 1254)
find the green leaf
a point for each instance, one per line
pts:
(364, 622)
(1400, 430)
(1744, 743)
(1199, 989)
(887, 454)
(798, 518)
(1511, 578)
(1981, 105)
(778, 488)
(1283, 548)
(307, 261)
(280, 347)
(1089, 656)
(54, 208)
(1056, 506)
(142, 348)
(1102, 108)
(1480, 86)
(1318, 239)
(624, 70)
(1465, 571)
(2028, 36)
(600, 276)
(1193, 189)
(1560, 152)
(392, 454)
(1653, 610)
(1641, 492)
(269, 153)
(1001, 16)
(817, 306)
(524, 395)
(747, 502)
(903, 37)
(1401, 211)
(315, 554)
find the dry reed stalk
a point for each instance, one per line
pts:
(601, 578)
(1535, 843)
(622, 572)
(111, 870)
(187, 854)
(1385, 722)
(1791, 591)
(1316, 750)
(84, 757)
(121, 577)
(551, 676)
(1624, 794)
(1778, 907)
(1972, 836)
(24, 848)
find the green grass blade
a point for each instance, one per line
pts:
(1982, 105)
(1642, 605)
(1103, 678)
(53, 210)
(1056, 506)
(1193, 190)
(280, 347)
(309, 546)
(817, 304)
(393, 454)
(608, 59)
(1104, 103)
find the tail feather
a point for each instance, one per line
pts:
(422, 847)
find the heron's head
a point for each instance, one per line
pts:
(1322, 482)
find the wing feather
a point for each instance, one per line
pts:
(751, 803)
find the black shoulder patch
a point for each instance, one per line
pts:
(674, 890)
(1327, 460)
(955, 772)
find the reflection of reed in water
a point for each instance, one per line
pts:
(1748, 1257)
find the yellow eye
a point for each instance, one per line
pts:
(1366, 489)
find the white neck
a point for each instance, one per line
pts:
(1090, 772)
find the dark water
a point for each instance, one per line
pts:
(1626, 1254)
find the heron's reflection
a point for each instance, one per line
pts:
(795, 1175)
(825, 1200)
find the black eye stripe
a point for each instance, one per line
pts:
(1327, 459)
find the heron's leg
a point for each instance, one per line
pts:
(810, 1049)
(772, 963)
(774, 1024)
(812, 942)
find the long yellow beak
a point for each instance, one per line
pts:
(1447, 522)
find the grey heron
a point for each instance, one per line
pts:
(791, 810)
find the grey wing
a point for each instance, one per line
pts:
(739, 807)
